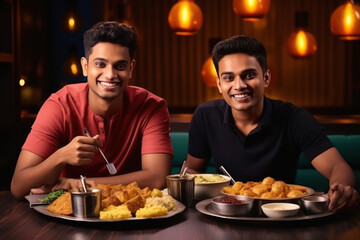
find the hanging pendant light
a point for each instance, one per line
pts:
(185, 18)
(72, 20)
(251, 10)
(301, 43)
(72, 67)
(208, 71)
(345, 21)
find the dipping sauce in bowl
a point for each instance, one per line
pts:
(280, 209)
(232, 206)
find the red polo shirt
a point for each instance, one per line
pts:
(140, 127)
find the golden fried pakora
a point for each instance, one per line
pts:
(61, 205)
(267, 188)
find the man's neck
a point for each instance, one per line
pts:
(104, 107)
(246, 121)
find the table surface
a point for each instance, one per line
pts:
(19, 221)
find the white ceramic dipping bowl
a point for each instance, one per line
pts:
(280, 209)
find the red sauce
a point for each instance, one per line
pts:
(232, 200)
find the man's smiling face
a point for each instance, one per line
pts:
(108, 70)
(242, 82)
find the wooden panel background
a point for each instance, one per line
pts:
(170, 65)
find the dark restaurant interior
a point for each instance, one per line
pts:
(40, 53)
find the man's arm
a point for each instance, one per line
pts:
(155, 168)
(196, 165)
(32, 171)
(342, 180)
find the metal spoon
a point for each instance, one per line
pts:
(110, 166)
(227, 174)
(183, 170)
(83, 183)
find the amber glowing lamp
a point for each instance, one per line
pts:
(301, 43)
(208, 71)
(251, 10)
(185, 18)
(345, 21)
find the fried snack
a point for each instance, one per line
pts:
(294, 193)
(260, 189)
(151, 211)
(116, 188)
(135, 203)
(230, 190)
(115, 212)
(105, 190)
(62, 205)
(112, 200)
(268, 195)
(267, 188)
(119, 201)
(268, 181)
(238, 186)
(279, 187)
(248, 192)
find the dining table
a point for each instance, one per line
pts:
(19, 221)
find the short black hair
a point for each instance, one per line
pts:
(112, 32)
(240, 44)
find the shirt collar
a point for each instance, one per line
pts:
(265, 119)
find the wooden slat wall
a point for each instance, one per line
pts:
(170, 65)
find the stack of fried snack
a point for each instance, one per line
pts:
(122, 201)
(267, 188)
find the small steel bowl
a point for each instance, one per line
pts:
(86, 205)
(243, 207)
(315, 204)
(280, 209)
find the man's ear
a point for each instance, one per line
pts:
(84, 65)
(218, 85)
(267, 77)
(132, 66)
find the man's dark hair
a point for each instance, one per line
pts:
(240, 44)
(112, 32)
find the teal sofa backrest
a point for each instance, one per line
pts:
(180, 144)
(348, 146)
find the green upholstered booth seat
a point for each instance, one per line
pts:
(348, 146)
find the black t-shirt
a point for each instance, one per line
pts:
(271, 149)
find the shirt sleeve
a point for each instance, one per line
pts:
(156, 138)
(44, 138)
(198, 144)
(309, 134)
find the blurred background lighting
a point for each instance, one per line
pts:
(22, 82)
(185, 18)
(345, 21)
(251, 10)
(301, 43)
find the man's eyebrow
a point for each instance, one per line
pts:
(105, 60)
(100, 59)
(225, 73)
(242, 72)
(250, 70)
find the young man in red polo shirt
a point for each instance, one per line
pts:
(129, 124)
